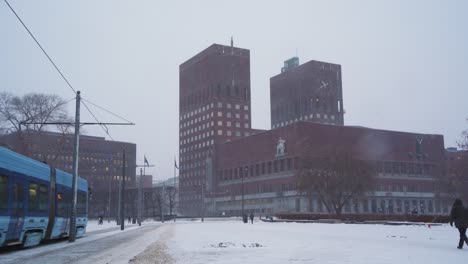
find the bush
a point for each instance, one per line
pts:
(366, 217)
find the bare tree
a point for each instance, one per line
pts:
(153, 199)
(336, 177)
(171, 194)
(26, 116)
(31, 108)
(453, 181)
(463, 143)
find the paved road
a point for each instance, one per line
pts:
(97, 245)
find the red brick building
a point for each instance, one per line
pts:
(221, 155)
(214, 107)
(308, 92)
(100, 162)
(408, 165)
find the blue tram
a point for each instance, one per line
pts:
(35, 201)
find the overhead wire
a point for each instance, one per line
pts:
(40, 46)
(108, 111)
(103, 126)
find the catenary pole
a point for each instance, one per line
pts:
(122, 195)
(139, 196)
(72, 231)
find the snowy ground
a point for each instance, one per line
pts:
(230, 241)
(235, 242)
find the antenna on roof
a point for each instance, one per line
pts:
(232, 46)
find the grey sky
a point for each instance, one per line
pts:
(404, 63)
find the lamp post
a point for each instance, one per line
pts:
(246, 170)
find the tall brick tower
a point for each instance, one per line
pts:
(214, 106)
(308, 92)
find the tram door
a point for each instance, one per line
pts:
(17, 211)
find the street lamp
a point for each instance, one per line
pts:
(246, 170)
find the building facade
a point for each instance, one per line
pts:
(100, 161)
(214, 106)
(265, 166)
(308, 92)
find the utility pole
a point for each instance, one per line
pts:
(243, 175)
(110, 189)
(72, 231)
(175, 194)
(203, 202)
(139, 197)
(162, 202)
(122, 194)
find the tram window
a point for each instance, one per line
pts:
(62, 204)
(43, 197)
(81, 204)
(17, 204)
(37, 197)
(3, 192)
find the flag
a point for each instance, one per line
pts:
(146, 161)
(175, 164)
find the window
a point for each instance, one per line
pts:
(62, 205)
(269, 167)
(237, 115)
(81, 204)
(246, 116)
(403, 168)
(228, 123)
(229, 133)
(220, 132)
(237, 107)
(229, 114)
(396, 169)
(3, 192)
(220, 114)
(220, 123)
(228, 106)
(238, 133)
(38, 197)
(237, 124)
(220, 104)
(246, 107)
(246, 125)
(388, 167)
(263, 168)
(275, 166)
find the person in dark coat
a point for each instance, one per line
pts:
(251, 217)
(459, 215)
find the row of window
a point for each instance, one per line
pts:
(38, 198)
(305, 105)
(197, 146)
(210, 106)
(258, 169)
(305, 118)
(207, 116)
(396, 167)
(201, 96)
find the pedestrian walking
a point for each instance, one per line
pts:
(459, 215)
(251, 217)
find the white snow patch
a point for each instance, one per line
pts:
(231, 242)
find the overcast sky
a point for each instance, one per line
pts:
(404, 63)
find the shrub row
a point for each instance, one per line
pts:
(366, 217)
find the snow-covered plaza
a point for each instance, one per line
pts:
(230, 241)
(235, 242)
